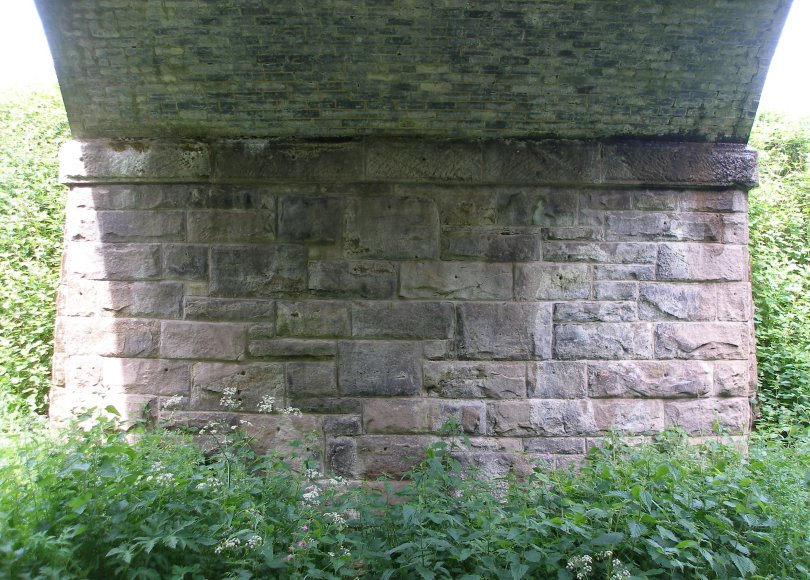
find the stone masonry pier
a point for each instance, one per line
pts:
(539, 293)
(527, 216)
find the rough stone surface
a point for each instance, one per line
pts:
(385, 289)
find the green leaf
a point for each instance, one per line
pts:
(608, 539)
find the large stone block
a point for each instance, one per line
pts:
(538, 281)
(142, 376)
(603, 340)
(391, 416)
(523, 161)
(616, 291)
(707, 416)
(288, 161)
(231, 226)
(122, 299)
(344, 279)
(311, 379)
(656, 200)
(734, 301)
(119, 337)
(456, 280)
(600, 252)
(501, 245)
(202, 340)
(588, 233)
(421, 160)
(633, 225)
(386, 369)
(666, 301)
(629, 417)
(253, 197)
(291, 348)
(731, 379)
(223, 309)
(503, 331)
(185, 261)
(133, 196)
(393, 228)
(475, 380)
(295, 438)
(539, 418)
(310, 219)
(112, 261)
(704, 341)
(466, 206)
(557, 380)
(701, 262)
(735, 228)
(602, 199)
(341, 457)
(537, 207)
(236, 387)
(594, 312)
(245, 271)
(141, 226)
(652, 379)
(316, 318)
(555, 445)
(412, 320)
(382, 455)
(727, 200)
(624, 272)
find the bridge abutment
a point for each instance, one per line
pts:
(540, 294)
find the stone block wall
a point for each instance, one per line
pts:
(539, 293)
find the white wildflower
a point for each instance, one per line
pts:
(335, 518)
(173, 402)
(253, 541)
(311, 496)
(313, 474)
(295, 412)
(267, 404)
(229, 399)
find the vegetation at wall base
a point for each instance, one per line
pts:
(85, 502)
(780, 251)
(33, 125)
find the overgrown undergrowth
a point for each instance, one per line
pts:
(88, 504)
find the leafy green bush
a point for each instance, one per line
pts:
(780, 251)
(85, 503)
(31, 224)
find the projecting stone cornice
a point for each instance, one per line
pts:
(543, 162)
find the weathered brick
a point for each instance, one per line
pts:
(128, 375)
(701, 262)
(345, 425)
(310, 219)
(250, 383)
(402, 319)
(466, 209)
(185, 261)
(475, 380)
(115, 337)
(371, 368)
(557, 380)
(555, 445)
(653, 379)
(387, 416)
(230, 226)
(501, 245)
(288, 436)
(206, 340)
(731, 378)
(594, 312)
(253, 197)
(705, 416)
(141, 226)
(537, 207)
(395, 228)
(133, 196)
(703, 341)
(327, 405)
(456, 280)
(291, 348)
(666, 301)
(311, 379)
(735, 228)
(247, 271)
(633, 225)
(313, 318)
(112, 261)
(539, 418)
(604, 252)
(503, 331)
(588, 233)
(623, 272)
(653, 199)
(538, 281)
(361, 279)
(734, 301)
(603, 340)
(341, 457)
(122, 299)
(382, 455)
(606, 199)
(222, 309)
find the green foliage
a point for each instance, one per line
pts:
(780, 252)
(31, 221)
(86, 503)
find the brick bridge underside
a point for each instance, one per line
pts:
(525, 216)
